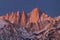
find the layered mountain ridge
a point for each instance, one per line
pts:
(34, 17)
(34, 22)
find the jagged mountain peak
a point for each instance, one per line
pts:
(36, 9)
(12, 13)
(23, 14)
(23, 19)
(34, 16)
(18, 13)
(33, 26)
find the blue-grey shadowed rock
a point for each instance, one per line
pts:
(33, 26)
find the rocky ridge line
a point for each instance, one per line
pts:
(36, 23)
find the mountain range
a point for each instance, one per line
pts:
(35, 25)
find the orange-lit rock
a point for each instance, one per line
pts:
(57, 18)
(35, 25)
(12, 17)
(34, 16)
(18, 17)
(7, 16)
(23, 19)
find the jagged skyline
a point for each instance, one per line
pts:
(51, 7)
(36, 25)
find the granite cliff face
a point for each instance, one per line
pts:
(36, 25)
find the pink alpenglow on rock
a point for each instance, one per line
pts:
(35, 25)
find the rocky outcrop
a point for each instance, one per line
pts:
(23, 19)
(36, 25)
(18, 17)
(34, 15)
